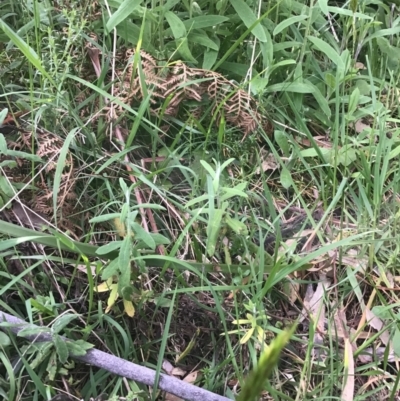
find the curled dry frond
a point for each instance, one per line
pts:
(174, 85)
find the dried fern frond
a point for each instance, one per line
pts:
(177, 83)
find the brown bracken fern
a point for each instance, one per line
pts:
(173, 86)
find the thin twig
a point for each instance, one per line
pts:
(122, 367)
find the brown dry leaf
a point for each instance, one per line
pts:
(348, 388)
(268, 163)
(167, 367)
(190, 378)
(314, 308)
(360, 126)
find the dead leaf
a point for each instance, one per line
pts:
(348, 388)
(359, 126)
(268, 163)
(167, 367)
(190, 378)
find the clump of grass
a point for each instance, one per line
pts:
(188, 239)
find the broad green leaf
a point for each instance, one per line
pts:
(61, 348)
(383, 32)
(184, 51)
(258, 84)
(123, 12)
(286, 178)
(204, 21)
(200, 198)
(4, 340)
(323, 5)
(30, 331)
(208, 168)
(112, 246)
(104, 217)
(348, 13)
(346, 155)
(3, 115)
(321, 100)
(312, 152)
(396, 342)
(62, 322)
(282, 141)
(10, 243)
(329, 51)
(124, 258)
(78, 347)
(287, 22)
(142, 235)
(231, 192)
(210, 56)
(353, 101)
(23, 155)
(52, 365)
(290, 87)
(176, 25)
(213, 230)
(202, 39)
(394, 152)
(236, 225)
(26, 50)
(247, 16)
(110, 270)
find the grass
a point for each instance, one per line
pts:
(206, 174)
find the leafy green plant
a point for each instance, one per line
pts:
(216, 203)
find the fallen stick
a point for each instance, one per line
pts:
(122, 367)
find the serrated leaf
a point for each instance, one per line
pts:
(61, 348)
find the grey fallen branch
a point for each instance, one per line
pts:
(122, 367)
